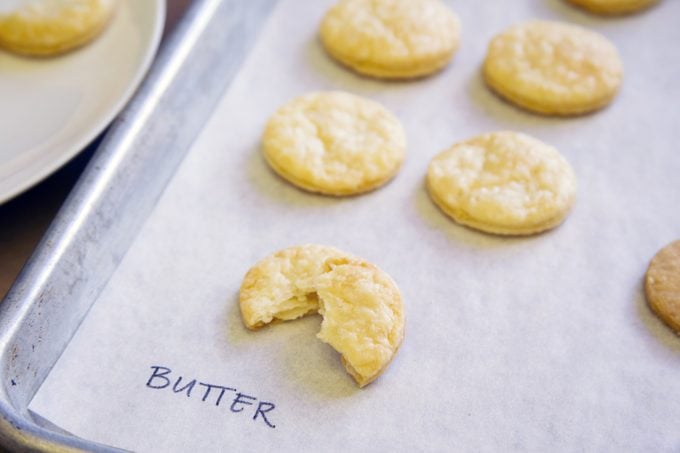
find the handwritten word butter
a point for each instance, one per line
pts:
(162, 378)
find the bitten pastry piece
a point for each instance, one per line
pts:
(334, 143)
(362, 309)
(51, 27)
(553, 68)
(282, 286)
(504, 183)
(363, 317)
(613, 6)
(662, 285)
(391, 38)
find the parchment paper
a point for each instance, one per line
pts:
(536, 344)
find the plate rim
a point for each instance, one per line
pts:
(41, 171)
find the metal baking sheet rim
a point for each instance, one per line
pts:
(110, 202)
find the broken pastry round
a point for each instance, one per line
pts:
(553, 68)
(52, 27)
(361, 306)
(391, 39)
(662, 285)
(334, 143)
(613, 6)
(504, 183)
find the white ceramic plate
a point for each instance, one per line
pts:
(50, 109)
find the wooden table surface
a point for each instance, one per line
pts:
(24, 219)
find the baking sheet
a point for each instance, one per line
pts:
(531, 344)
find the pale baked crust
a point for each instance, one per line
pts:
(504, 183)
(334, 143)
(282, 286)
(363, 316)
(391, 38)
(361, 306)
(662, 285)
(46, 28)
(613, 6)
(553, 68)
